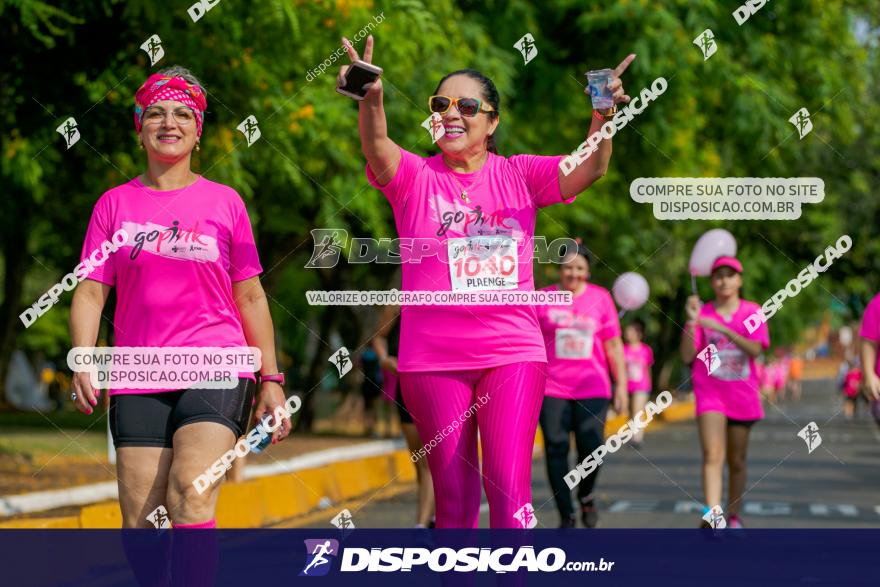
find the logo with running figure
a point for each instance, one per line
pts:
(328, 243)
(69, 131)
(434, 125)
(801, 121)
(810, 434)
(706, 42)
(319, 555)
(153, 48)
(526, 516)
(526, 46)
(715, 518)
(159, 518)
(342, 360)
(250, 130)
(710, 358)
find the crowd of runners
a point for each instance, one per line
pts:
(559, 367)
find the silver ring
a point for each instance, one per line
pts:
(73, 396)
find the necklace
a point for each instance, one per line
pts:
(464, 190)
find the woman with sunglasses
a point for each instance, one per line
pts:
(187, 276)
(452, 355)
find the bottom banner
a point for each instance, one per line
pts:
(196, 558)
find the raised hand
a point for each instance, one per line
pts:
(374, 88)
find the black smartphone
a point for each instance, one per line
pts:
(358, 74)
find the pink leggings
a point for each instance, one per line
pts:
(447, 407)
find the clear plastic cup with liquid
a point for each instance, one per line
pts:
(600, 93)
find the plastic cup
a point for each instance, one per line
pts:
(598, 81)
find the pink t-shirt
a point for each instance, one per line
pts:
(174, 275)
(504, 197)
(577, 367)
(871, 326)
(733, 387)
(639, 358)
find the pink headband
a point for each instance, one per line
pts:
(164, 87)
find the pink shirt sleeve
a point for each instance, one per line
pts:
(398, 188)
(99, 231)
(244, 262)
(871, 320)
(649, 354)
(610, 322)
(541, 174)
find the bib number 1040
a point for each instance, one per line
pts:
(473, 266)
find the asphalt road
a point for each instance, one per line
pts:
(659, 486)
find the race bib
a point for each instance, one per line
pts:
(634, 371)
(480, 263)
(574, 343)
(734, 365)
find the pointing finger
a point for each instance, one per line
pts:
(624, 64)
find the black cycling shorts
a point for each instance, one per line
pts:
(745, 423)
(151, 419)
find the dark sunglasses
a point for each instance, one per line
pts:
(466, 106)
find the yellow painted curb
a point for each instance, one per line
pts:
(101, 515)
(678, 412)
(59, 522)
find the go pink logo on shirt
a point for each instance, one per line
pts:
(459, 220)
(173, 242)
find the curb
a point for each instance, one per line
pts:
(274, 498)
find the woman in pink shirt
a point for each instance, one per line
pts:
(187, 276)
(583, 344)
(469, 367)
(870, 333)
(638, 357)
(725, 378)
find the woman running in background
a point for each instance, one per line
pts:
(583, 343)
(870, 333)
(465, 201)
(386, 344)
(639, 357)
(852, 383)
(725, 383)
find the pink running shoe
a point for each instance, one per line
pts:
(734, 523)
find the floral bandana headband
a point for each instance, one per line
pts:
(164, 87)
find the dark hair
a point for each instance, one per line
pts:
(490, 93)
(639, 325)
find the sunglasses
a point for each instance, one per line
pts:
(466, 106)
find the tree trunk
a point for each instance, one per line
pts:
(18, 210)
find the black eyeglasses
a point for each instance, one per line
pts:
(466, 106)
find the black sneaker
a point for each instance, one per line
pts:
(568, 523)
(589, 514)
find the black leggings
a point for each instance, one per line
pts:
(559, 418)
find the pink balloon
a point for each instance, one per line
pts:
(713, 244)
(630, 290)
